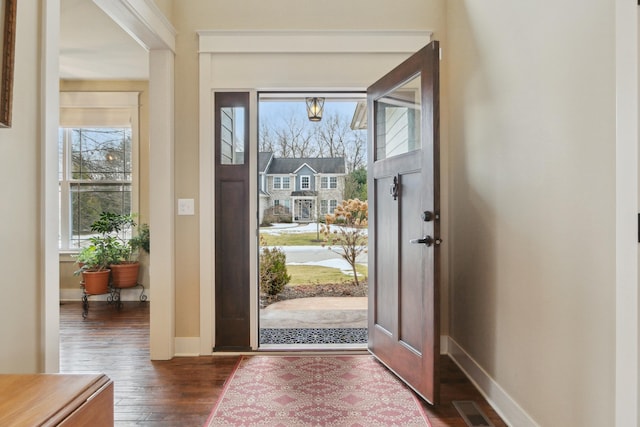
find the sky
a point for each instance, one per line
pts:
(270, 111)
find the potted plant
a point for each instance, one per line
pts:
(124, 264)
(94, 263)
(142, 240)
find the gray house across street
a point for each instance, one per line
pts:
(305, 188)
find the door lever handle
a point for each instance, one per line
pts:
(426, 240)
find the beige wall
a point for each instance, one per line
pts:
(67, 263)
(20, 239)
(190, 16)
(166, 6)
(531, 107)
(532, 146)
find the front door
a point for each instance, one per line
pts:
(404, 225)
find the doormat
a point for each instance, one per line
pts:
(315, 391)
(313, 335)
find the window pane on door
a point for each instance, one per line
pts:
(232, 135)
(398, 117)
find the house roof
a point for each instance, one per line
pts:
(318, 164)
(264, 158)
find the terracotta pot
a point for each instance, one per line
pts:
(96, 282)
(124, 275)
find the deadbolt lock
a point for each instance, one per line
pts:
(429, 216)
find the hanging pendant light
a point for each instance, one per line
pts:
(314, 109)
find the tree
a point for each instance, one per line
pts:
(335, 138)
(266, 141)
(349, 222)
(356, 184)
(293, 136)
(356, 151)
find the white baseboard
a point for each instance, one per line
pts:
(187, 346)
(131, 294)
(444, 344)
(498, 398)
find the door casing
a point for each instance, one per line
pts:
(361, 56)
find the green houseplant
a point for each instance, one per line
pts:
(94, 261)
(112, 251)
(123, 263)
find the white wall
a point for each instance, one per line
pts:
(532, 146)
(20, 239)
(627, 52)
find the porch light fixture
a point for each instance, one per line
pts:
(314, 109)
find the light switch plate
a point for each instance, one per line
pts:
(186, 207)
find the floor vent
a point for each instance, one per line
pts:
(472, 414)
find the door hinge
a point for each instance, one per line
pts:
(440, 49)
(639, 213)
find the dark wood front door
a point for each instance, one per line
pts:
(404, 226)
(232, 286)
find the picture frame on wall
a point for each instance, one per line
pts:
(8, 31)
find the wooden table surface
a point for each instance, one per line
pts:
(49, 399)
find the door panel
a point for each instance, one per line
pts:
(410, 286)
(232, 285)
(404, 326)
(386, 248)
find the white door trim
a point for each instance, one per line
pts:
(50, 261)
(627, 378)
(145, 23)
(304, 41)
(214, 48)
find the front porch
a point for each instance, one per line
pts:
(305, 206)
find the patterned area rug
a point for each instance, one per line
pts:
(287, 391)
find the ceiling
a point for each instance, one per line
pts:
(94, 47)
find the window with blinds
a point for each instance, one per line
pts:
(97, 145)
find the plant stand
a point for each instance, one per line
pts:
(115, 294)
(113, 297)
(85, 299)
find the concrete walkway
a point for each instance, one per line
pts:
(318, 312)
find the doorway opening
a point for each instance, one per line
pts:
(312, 170)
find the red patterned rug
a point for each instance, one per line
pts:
(288, 391)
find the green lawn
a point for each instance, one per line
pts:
(291, 239)
(311, 274)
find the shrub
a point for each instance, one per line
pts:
(276, 214)
(273, 270)
(348, 237)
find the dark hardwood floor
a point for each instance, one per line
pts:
(182, 391)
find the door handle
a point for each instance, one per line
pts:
(426, 240)
(394, 188)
